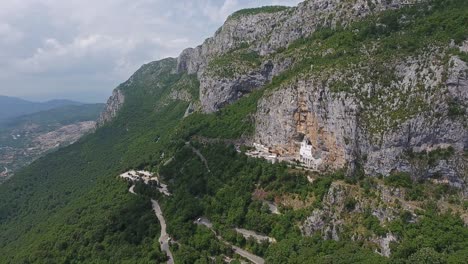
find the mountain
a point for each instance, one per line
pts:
(25, 138)
(12, 107)
(330, 132)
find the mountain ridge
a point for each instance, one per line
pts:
(329, 120)
(13, 107)
(243, 65)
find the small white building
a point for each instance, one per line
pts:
(306, 155)
(262, 151)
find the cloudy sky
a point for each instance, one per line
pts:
(82, 49)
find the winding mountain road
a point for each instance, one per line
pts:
(260, 238)
(253, 258)
(164, 237)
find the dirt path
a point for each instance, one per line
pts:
(164, 237)
(198, 153)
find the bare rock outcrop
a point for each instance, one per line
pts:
(264, 33)
(112, 107)
(384, 127)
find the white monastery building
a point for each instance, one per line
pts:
(306, 155)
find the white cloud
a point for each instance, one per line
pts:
(53, 48)
(54, 56)
(223, 12)
(9, 35)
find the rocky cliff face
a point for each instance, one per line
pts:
(263, 34)
(385, 127)
(112, 107)
(260, 33)
(271, 31)
(371, 88)
(374, 112)
(344, 206)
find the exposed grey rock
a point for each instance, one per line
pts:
(313, 223)
(190, 109)
(457, 81)
(345, 128)
(464, 46)
(265, 33)
(328, 220)
(307, 109)
(384, 244)
(384, 214)
(216, 91)
(112, 107)
(182, 95)
(372, 124)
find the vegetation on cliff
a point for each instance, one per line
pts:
(70, 206)
(258, 10)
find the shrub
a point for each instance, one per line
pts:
(399, 179)
(350, 203)
(259, 10)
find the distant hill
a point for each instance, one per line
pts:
(358, 109)
(25, 138)
(13, 107)
(63, 115)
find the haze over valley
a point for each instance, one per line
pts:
(315, 131)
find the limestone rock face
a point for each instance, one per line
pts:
(328, 221)
(380, 117)
(385, 128)
(270, 31)
(306, 109)
(335, 216)
(264, 34)
(112, 107)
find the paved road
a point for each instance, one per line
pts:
(253, 258)
(132, 189)
(164, 237)
(205, 222)
(163, 187)
(260, 238)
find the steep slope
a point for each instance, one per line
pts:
(343, 78)
(249, 34)
(69, 207)
(380, 94)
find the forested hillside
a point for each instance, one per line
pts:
(193, 121)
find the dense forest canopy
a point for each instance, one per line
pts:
(71, 207)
